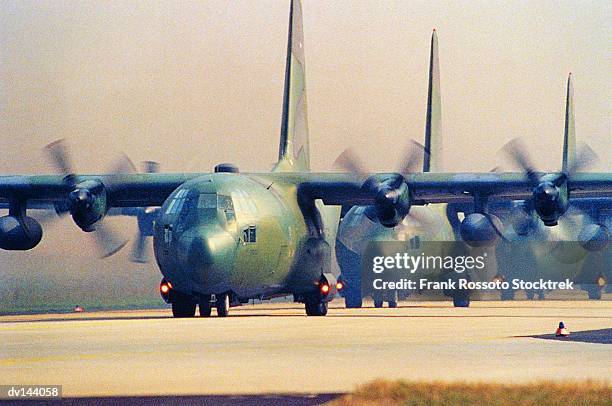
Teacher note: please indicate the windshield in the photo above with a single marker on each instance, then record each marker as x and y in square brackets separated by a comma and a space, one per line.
[207, 201]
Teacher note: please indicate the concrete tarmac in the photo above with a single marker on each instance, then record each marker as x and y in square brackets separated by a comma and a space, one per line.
[276, 349]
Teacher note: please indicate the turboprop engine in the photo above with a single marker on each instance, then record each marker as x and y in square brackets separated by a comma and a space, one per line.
[19, 235]
[85, 200]
[87, 204]
[549, 201]
[594, 237]
[480, 230]
[392, 198]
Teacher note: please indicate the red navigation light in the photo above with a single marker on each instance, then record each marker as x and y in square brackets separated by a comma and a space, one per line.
[325, 289]
[164, 288]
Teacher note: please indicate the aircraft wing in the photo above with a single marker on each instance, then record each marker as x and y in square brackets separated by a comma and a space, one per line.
[125, 190]
[426, 188]
[152, 189]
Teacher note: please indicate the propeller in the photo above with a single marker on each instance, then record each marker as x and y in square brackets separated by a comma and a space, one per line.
[80, 200]
[515, 150]
[547, 193]
[391, 205]
[145, 217]
[411, 161]
[349, 161]
[413, 156]
[58, 154]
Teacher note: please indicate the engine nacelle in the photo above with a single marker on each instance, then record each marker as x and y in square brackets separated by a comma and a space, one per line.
[480, 230]
[15, 236]
[549, 202]
[522, 223]
[392, 198]
[594, 237]
[87, 204]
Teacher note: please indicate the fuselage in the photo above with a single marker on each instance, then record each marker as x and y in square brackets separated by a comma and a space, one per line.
[357, 230]
[239, 233]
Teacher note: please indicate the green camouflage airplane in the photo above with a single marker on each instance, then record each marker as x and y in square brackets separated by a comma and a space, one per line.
[223, 238]
[481, 227]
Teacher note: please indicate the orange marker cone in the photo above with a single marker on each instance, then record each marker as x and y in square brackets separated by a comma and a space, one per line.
[562, 331]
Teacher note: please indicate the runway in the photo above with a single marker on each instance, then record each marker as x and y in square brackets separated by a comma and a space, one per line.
[276, 349]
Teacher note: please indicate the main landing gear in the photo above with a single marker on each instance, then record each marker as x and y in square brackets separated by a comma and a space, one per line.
[316, 303]
[461, 301]
[182, 305]
[316, 308]
[380, 297]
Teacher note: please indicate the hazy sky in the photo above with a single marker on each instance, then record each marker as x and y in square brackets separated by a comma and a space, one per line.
[192, 84]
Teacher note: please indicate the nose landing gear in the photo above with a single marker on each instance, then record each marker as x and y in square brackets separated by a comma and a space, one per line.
[184, 305]
[221, 303]
[205, 306]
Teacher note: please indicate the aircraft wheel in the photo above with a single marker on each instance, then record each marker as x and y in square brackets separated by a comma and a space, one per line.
[507, 294]
[530, 294]
[316, 308]
[461, 301]
[392, 304]
[378, 304]
[205, 306]
[594, 293]
[403, 295]
[223, 304]
[352, 302]
[352, 297]
[182, 305]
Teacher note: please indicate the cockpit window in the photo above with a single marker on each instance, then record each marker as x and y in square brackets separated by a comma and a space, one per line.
[177, 202]
[221, 203]
[244, 203]
[207, 201]
[226, 205]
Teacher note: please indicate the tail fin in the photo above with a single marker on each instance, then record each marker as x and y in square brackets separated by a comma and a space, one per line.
[569, 136]
[294, 154]
[432, 161]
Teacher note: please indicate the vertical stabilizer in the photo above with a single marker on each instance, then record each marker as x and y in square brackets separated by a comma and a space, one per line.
[294, 154]
[569, 136]
[432, 161]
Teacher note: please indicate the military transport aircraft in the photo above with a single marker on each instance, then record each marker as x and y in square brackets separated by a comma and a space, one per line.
[225, 237]
[479, 228]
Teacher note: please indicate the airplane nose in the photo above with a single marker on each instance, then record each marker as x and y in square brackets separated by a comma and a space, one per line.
[213, 247]
[208, 257]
